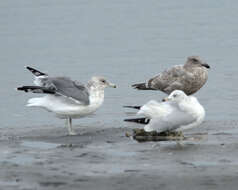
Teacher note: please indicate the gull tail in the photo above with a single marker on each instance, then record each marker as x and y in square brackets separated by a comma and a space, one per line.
[36, 89]
[36, 72]
[35, 102]
[133, 107]
[141, 86]
[142, 120]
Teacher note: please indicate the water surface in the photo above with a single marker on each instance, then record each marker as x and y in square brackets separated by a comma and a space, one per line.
[128, 41]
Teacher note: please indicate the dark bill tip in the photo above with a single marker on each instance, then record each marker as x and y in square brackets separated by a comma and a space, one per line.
[206, 65]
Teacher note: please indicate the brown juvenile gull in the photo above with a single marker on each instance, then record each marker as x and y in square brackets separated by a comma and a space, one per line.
[67, 98]
[189, 77]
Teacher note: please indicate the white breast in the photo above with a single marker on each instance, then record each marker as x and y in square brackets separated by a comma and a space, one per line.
[96, 99]
[196, 110]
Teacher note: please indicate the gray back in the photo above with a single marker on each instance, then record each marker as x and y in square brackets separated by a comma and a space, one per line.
[64, 86]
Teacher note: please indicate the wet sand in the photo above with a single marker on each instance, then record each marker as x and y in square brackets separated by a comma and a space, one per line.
[45, 158]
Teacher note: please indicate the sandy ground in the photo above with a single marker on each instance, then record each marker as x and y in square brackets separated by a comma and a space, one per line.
[45, 158]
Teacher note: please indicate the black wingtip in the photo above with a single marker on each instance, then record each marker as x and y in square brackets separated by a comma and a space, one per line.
[141, 86]
[34, 71]
[29, 68]
[22, 88]
[138, 120]
[36, 89]
[133, 107]
[18, 88]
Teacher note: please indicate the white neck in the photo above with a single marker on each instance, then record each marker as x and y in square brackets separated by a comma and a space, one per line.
[96, 96]
[194, 107]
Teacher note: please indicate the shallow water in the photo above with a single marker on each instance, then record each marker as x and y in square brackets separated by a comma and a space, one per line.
[106, 159]
[39, 145]
[125, 40]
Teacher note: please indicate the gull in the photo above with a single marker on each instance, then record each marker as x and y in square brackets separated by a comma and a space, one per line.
[67, 98]
[177, 112]
[189, 77]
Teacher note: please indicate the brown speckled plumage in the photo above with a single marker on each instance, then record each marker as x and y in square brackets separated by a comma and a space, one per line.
[189, 77]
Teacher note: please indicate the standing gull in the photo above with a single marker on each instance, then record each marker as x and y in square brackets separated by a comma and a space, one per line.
[189, 77]
[177, 112]
[67, 98]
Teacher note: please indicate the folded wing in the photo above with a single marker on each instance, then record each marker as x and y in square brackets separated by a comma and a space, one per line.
[59, 86]
[66, 87]
[171, 79]
[164, 116]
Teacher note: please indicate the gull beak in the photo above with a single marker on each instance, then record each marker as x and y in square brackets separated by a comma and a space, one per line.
[206, 65]
[112, 85]
[165, 99]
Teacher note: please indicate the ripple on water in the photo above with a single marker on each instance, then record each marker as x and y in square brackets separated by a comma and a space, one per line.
[39, 145]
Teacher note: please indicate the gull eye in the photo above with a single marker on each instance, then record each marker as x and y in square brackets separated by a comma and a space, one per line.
[103, 81]
[194, 60]
[175, 95]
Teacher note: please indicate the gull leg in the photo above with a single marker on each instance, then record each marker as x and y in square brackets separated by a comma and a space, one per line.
[179, 144]
[70, 128]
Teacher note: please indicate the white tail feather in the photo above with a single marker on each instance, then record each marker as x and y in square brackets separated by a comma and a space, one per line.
[35, 102]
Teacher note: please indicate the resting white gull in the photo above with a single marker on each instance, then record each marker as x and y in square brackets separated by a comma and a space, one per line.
[67, 98]
[189, 77]
[178, 112]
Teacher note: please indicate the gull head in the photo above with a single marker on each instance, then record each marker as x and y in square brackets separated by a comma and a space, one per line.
[196, 61]
[176, 96]
[100, 82]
